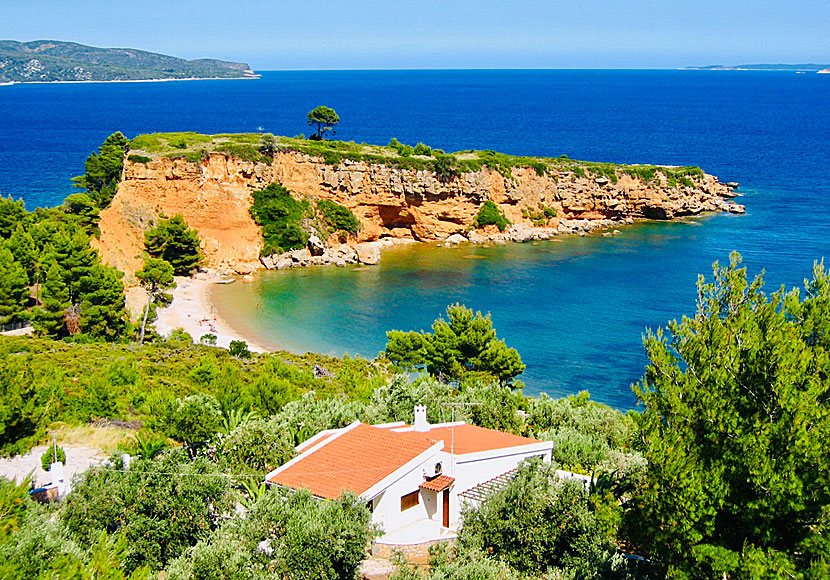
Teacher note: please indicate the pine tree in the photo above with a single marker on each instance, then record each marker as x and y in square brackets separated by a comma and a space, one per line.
[172, 241]
[54, 300]
[25, 252]
[14, 286]
[735, 430]
[155, 277]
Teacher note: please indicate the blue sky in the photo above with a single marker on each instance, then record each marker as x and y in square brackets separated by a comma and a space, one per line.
[323, 34]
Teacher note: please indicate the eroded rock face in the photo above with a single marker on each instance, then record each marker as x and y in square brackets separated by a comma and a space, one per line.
[214, 197]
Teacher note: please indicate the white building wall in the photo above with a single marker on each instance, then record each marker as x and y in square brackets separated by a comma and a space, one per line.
[473, 469]
[468, 470]
[387, 506]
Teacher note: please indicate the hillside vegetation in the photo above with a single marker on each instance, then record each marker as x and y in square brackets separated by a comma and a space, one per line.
[257, 147]
[52, 60]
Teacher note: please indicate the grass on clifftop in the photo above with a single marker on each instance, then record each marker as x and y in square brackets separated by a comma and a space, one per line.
[258, 147]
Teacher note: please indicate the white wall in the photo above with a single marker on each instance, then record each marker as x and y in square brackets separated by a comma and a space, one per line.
[469, 470]
[387, 506]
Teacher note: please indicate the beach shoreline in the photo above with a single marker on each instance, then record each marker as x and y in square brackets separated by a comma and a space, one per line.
[193, 311]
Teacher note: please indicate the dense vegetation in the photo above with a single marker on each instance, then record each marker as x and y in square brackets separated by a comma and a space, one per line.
[52, 277]
[735, 432]
[490, 214]
[176, 244]
[455, 349]
[259, 147]
[68, 61]
[287, 223]
[722, 475]
[280, 216]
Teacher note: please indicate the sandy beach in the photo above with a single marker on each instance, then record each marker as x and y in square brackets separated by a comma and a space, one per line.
[192, 311]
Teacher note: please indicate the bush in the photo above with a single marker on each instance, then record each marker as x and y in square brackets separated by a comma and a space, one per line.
[421, 149]
[192, 419]
[338, 216]
[490, 214]
[48, 458]
[259, 446]
[139, 158]
[302, 538]
[239, 349]
[161, 506]
[445, 166]
[280, 216]
[535, 524]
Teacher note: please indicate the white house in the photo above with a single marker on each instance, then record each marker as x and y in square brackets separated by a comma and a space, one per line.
[413, 477]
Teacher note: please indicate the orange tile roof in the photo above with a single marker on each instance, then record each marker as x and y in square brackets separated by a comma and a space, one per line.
[439, 483]
[362, 456]
[354, 461]
[472, 439]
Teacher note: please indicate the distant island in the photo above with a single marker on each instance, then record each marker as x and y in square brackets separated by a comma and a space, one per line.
[56, 61]
[783, 67]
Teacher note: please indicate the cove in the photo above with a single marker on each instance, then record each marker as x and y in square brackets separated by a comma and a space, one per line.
[575, 307]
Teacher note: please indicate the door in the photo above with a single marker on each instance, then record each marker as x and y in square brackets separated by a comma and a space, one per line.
[446, 508]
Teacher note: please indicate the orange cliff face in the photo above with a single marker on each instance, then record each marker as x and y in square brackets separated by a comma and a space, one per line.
[215, 196]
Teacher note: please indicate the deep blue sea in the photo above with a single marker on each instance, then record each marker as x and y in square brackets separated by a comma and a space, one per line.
[575, 309]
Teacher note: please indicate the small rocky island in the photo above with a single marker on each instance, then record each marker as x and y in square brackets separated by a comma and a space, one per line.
[347, 200]
[57, 61]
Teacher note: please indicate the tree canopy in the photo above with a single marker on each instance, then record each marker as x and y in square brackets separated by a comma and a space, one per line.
[325, 118]
[735, 431]
[155, 277]
[172, 241]
[103, 170]
[456, 348]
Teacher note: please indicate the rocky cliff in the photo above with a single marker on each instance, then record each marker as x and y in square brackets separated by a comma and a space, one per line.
[214, 196]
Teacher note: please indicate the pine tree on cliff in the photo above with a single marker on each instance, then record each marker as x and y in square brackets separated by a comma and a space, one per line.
[172, 241]
[102, 170]
[325, 118]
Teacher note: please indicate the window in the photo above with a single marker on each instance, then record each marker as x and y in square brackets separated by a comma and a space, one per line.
[410, 500]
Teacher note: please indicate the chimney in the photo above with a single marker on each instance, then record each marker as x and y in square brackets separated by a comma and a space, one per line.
[421, 423]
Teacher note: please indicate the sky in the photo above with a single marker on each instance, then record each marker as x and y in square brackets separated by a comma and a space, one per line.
[393, 34]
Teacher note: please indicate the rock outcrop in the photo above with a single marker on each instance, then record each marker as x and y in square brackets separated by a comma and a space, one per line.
[214, 197]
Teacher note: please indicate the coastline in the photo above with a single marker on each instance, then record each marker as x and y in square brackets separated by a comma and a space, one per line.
[193, 311]
[245, 78]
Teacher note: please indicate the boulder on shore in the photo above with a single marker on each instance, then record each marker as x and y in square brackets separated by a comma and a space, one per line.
[368, 254]
[316, 247]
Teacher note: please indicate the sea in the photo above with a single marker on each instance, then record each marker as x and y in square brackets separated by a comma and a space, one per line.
[575, 308]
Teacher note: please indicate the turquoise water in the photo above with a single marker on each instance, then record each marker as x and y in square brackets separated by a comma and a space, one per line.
[575, 309]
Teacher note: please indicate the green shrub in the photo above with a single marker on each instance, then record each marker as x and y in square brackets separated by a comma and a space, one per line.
[421, 149]
[490, 214]
[280, 216]
[139, 158]
[239, 349]
[445, 166]
[338, 217]
[259, 446]
[192, 419]
[244, 151]
[579, 171]
[48, 457]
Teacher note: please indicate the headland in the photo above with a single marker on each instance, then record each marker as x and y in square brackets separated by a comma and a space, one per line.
[395, 195]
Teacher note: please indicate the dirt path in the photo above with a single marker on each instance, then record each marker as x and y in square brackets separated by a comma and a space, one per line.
[78, 459]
